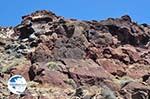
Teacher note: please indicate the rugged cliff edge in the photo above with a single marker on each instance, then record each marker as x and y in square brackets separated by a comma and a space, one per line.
[68, 58]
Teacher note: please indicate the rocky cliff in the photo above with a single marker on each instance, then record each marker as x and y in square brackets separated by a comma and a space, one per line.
[72, 59]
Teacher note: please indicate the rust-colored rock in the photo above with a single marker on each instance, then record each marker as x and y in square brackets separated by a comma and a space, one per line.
[43, 75]
[86, 71]
[137, 90]
[68, 58]
[138, 70]
[112, 67]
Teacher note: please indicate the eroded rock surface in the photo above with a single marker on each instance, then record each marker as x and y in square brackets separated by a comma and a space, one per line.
[72, 59]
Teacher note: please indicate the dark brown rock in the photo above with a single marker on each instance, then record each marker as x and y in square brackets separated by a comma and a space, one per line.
[126, 18]
[42, 53]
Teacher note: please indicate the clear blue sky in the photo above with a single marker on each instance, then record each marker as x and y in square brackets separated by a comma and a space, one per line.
[12, 10]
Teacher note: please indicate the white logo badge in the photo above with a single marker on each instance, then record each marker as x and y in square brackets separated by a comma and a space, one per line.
[17, 84]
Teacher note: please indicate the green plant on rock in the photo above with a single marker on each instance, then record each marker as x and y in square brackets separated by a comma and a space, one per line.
[71, 82]
[123, 80]
[4, 69]
[13, 63]
[53, 66]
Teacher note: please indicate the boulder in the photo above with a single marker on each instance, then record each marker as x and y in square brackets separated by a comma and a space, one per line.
[112, 67]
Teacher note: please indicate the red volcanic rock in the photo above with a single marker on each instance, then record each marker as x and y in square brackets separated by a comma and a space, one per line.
[133, 55]
[86, 71]
[49, 50]
[125, 54]
[136, 86]
[136, 91]
[138, 70]
[51, 77]
[112, 67]
[90, 75]
[43, 75]
[22, 69]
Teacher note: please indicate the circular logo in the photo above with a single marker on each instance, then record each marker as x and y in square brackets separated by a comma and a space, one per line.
[17, 84]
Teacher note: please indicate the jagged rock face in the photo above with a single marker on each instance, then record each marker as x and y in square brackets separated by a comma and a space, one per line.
[68, 59]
